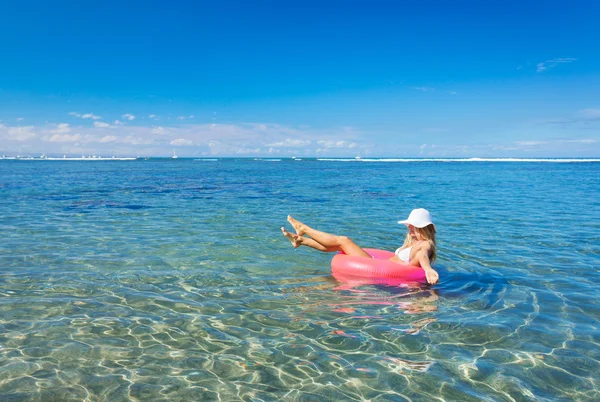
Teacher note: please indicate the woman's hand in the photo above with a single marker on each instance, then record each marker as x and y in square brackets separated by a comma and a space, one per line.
[432, 276]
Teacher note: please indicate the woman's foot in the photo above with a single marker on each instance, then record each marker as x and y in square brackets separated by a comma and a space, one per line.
[293, 238]
[298, 226]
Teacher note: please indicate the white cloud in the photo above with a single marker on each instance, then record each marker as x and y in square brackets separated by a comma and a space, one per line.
[422, 149]
[336, 144]
[158, 130]
[61, 128]
[64, 138]
[20, 133]
[128, 116]
[101, 124]
[530, 143]
[108, 138]
[290, 143]
[85, 115]
[553, 63]
[90, 116]
[151, 116]
[181, 142]
[247, 151]
[184, 117]
[424, 89]
[453, 92]
[20, 119]
[585, 141]
[118, 122]
[137, 140]
[254, 138]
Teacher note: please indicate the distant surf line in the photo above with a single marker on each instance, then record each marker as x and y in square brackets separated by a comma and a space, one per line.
[388, 160]
[90, 158]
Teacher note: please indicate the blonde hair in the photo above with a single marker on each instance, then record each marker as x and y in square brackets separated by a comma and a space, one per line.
[427, 233]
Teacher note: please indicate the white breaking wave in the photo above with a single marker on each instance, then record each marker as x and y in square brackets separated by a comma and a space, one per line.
[554, 160]
[89, 158]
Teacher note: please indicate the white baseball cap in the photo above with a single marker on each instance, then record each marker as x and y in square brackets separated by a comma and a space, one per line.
[419, 218]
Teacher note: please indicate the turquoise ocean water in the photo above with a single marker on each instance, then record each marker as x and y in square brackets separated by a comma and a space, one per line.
[170, 280]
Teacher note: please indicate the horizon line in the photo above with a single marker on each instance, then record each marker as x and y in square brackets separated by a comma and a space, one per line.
[314, 158]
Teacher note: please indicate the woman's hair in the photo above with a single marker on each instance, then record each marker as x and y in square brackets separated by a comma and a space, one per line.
[427, 233]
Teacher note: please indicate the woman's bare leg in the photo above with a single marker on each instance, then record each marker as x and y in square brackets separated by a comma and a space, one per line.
[298, 241]
[330, 241]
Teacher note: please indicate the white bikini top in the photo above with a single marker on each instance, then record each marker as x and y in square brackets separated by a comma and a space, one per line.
[404, 255]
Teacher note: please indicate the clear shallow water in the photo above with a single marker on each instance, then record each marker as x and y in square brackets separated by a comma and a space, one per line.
[170, 280]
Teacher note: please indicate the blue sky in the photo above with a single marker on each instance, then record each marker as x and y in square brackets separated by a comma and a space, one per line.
[266, 78]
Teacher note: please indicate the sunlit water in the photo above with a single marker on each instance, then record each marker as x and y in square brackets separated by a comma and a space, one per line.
[170, 280]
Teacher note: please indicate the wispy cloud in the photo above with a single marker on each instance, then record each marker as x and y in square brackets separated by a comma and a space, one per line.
[90, 116]
[585, 119]
[159, 130]
[20, 134]
[181, 142]
[530, 143]
[590, 113]
[201, 139]
[290, 143]
[584, 141]
[424, 89]
[264, 139]
[64, 138]
[543, 66]
[336, 144]
[133, 140]
[108, 138]
[554, 143]
[128, 116]
[101, 124]
[61, 128]
[85, 115]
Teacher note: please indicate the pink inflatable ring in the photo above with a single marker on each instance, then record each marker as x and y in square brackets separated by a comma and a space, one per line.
[378, 268]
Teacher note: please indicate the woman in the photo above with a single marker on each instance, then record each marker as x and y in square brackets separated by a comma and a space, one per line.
[419, 248]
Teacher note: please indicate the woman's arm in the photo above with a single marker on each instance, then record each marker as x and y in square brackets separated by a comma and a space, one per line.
[423, 258]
